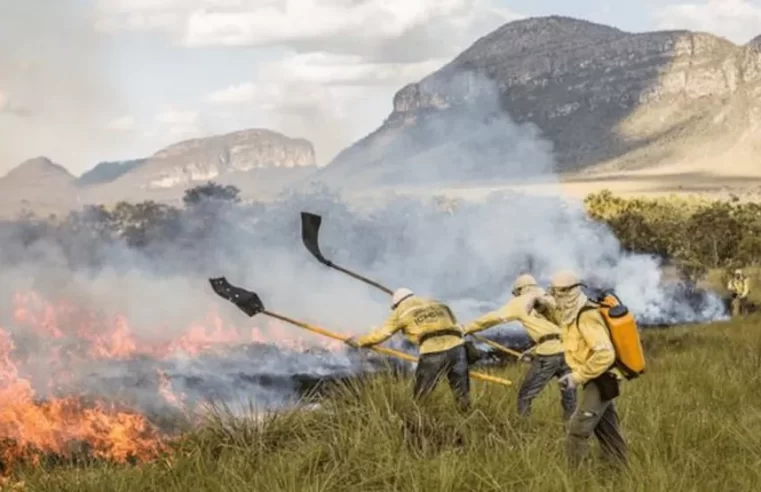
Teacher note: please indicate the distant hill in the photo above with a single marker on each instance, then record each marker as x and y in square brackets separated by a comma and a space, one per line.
[105, 172]
[38, 184]
[260, 162]
[202, 159]
[600, 98]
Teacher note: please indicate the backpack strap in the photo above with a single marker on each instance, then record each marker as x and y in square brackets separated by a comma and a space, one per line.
[592, 308]
[585, 309]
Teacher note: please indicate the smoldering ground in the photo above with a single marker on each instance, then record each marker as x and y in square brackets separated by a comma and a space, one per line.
[154, 291]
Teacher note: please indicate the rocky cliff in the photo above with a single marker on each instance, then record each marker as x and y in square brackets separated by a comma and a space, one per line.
[210, 158]
[600, 97]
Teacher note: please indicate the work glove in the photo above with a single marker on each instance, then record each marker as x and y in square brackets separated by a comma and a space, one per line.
[566, 382]
[352, 342]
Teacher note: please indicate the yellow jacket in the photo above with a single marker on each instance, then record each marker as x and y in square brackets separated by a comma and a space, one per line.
[416, 317]
[739, 286]
[589, 352]
[523, 309]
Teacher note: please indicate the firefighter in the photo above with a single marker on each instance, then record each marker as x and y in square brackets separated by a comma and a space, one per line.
[533, 308]
[433, 327]
[590, 354]
[739, 288]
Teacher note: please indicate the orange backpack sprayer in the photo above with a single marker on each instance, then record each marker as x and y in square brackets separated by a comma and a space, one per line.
[622, 327]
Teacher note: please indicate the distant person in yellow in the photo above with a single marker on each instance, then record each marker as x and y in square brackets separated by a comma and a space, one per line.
[431, 325]
[591, 356]
[534, 309]
[739, 288]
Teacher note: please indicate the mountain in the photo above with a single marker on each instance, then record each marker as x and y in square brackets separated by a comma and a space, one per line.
[38, 184]
[204, 159]
[599, 98]
[105, 172]
[38, 170]
[259, 162]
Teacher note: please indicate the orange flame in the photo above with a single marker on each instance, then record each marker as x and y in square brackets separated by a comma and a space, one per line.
[51, 426]
[67, 334]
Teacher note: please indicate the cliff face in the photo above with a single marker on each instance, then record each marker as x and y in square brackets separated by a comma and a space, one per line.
[210, 158]
[597, 94]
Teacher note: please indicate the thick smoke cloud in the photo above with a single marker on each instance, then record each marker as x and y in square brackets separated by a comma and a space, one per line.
[467, 255]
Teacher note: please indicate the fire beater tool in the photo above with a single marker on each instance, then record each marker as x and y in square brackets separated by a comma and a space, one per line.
[251, 304]
[310, 234]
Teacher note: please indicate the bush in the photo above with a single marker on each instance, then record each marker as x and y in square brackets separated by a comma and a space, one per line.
[694, 234]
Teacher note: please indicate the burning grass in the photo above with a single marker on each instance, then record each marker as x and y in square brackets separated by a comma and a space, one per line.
[79, 387]
[693, 423]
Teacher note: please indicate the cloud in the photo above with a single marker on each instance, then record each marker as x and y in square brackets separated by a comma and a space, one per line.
[327, 98]
[330, 69]
[737, 20]
[343, 59]
[323, 69]
[235, 94]
[391, 30]
[125, 123]
[178, 123]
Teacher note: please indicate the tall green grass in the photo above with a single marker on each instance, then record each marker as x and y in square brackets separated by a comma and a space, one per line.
[693, 422]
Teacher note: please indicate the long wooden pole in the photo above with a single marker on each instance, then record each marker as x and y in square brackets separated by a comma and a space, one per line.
[496, 345]
[380, 350]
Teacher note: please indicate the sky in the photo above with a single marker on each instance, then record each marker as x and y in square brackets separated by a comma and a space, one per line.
[83, 81]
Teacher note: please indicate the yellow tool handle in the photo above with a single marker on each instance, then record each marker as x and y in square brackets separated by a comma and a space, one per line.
[496, 345]
[380, 350]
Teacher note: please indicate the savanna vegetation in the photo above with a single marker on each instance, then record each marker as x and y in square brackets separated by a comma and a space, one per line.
[703, 239]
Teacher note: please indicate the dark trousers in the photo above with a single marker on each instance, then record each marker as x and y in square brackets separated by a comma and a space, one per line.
[595, 416]
[454, 364]
[543, 369]
[739, 306]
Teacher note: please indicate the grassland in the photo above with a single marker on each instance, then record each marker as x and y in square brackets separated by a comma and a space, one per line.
[693, 423]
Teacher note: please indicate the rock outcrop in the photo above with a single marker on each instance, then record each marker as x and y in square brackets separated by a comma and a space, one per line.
[204, 159]
[603, 98]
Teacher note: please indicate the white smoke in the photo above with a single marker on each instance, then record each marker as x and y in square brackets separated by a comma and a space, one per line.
[471, 257]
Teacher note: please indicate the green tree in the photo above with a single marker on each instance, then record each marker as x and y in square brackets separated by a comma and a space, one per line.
[210, 192]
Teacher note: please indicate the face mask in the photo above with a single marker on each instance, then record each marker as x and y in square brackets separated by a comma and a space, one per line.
[569, 302]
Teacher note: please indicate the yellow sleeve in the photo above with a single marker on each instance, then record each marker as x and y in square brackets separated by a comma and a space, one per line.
[547, 302]
[507, 313]
[482, 323]
[389, 327]
[746, 287]
[603, 355]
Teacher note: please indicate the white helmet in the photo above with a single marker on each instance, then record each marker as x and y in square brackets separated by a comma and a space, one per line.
[565, 279]
[400, 295]
[523, 281]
